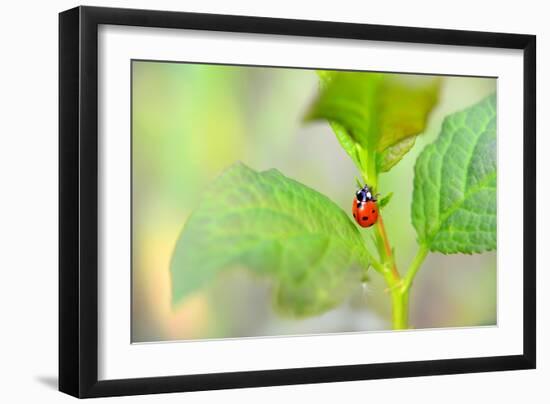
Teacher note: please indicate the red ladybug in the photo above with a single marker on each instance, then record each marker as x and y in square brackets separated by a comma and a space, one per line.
[365, 208]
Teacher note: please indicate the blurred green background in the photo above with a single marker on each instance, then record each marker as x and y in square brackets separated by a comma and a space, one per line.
[191, 121]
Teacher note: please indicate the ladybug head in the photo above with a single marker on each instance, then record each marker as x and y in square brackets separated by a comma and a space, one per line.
[365, 194]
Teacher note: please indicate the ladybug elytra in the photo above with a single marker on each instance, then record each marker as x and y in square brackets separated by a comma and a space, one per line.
[365, 208]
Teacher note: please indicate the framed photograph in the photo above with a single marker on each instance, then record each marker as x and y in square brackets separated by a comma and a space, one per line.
[251, 201]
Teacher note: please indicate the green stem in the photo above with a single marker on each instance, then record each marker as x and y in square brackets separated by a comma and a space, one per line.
[399, 296]
[400, 309]
[400, 291]
[398, 286]
[386, 246]
[378, 266]
[372, 172]
[414, 267]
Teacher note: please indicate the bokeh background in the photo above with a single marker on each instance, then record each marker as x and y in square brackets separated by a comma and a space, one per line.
[191, 121]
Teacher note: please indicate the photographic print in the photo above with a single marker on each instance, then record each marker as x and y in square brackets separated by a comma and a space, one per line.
[232, 188]
[270, 201]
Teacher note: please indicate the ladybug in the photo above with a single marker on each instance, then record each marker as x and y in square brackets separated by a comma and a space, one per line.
[365, 208]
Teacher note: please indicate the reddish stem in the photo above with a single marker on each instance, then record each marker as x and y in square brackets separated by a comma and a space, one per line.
[387, 246]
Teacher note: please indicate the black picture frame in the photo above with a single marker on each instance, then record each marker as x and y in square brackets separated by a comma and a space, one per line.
[78, 200]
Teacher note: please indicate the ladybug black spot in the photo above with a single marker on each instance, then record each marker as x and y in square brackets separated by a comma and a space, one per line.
[365, 218]
[373, 211]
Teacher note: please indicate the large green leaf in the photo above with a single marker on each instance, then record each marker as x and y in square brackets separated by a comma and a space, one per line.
[276, 227]
[342, 134]
[347, 142]
[454, 198]
[376, 110]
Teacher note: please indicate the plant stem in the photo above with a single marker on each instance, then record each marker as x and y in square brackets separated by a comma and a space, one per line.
[399, 295]
[387, 247]
[414, 267]
[374, 262]
[400, 309]
[399, 287]
[400, 291]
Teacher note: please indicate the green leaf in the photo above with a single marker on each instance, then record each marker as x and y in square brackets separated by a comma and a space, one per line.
[376, 110]
[385, 200]
[275, 227]
[454, 198]
[393, 154]
[344, 138]
[346, 141]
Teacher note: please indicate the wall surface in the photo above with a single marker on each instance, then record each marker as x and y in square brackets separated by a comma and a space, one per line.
[28, 207]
